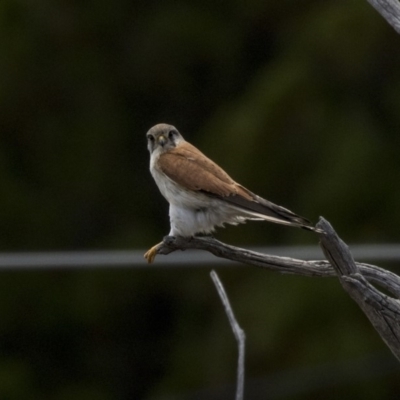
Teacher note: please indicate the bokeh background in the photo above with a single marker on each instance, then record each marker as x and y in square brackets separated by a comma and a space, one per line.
[299, 101]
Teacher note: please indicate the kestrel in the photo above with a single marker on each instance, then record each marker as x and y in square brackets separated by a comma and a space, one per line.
[201, 195]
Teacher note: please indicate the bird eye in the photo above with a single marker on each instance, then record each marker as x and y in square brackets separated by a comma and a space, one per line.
[171, 134]
[151, 138]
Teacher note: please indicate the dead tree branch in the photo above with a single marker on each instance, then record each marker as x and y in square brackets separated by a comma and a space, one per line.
[390, 10]
[356, 278]
[237, 331]
[382, 311]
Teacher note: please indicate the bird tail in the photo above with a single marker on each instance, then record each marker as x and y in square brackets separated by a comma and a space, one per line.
[256, 207]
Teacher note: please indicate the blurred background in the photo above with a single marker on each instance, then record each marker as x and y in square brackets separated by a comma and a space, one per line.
[299, 101]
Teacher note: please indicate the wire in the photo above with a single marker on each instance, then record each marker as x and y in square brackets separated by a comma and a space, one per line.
[388, 253]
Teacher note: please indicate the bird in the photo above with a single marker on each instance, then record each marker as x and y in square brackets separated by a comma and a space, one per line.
[201, 195]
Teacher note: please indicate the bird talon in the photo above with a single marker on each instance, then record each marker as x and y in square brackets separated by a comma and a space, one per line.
[150, 254]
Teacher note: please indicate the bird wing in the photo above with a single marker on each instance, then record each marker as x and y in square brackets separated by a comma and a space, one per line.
[190, 168]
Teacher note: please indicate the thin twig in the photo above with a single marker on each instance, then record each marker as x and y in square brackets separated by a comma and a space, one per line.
[237, 331]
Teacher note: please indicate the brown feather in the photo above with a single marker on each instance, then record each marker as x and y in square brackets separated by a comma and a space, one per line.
[190, 168]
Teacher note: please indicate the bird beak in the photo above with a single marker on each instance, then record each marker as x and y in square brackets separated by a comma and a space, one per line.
[162, 140]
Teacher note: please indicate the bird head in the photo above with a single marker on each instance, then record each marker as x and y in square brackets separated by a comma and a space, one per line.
[162, 137]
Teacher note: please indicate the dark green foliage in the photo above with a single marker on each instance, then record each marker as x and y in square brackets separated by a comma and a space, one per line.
[299, 101]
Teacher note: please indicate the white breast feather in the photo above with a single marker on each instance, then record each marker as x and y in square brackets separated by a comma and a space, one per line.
[193, 212]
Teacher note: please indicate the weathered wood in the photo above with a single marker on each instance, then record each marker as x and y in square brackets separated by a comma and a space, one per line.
[357, 279]
[319, 268]
[238, 332]
[382, 310]
[390, 10]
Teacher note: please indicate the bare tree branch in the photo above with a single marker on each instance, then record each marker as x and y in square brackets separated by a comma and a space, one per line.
[356, 278]
[286, 265]
[390, 10]
[237, 331]
[382, 311]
